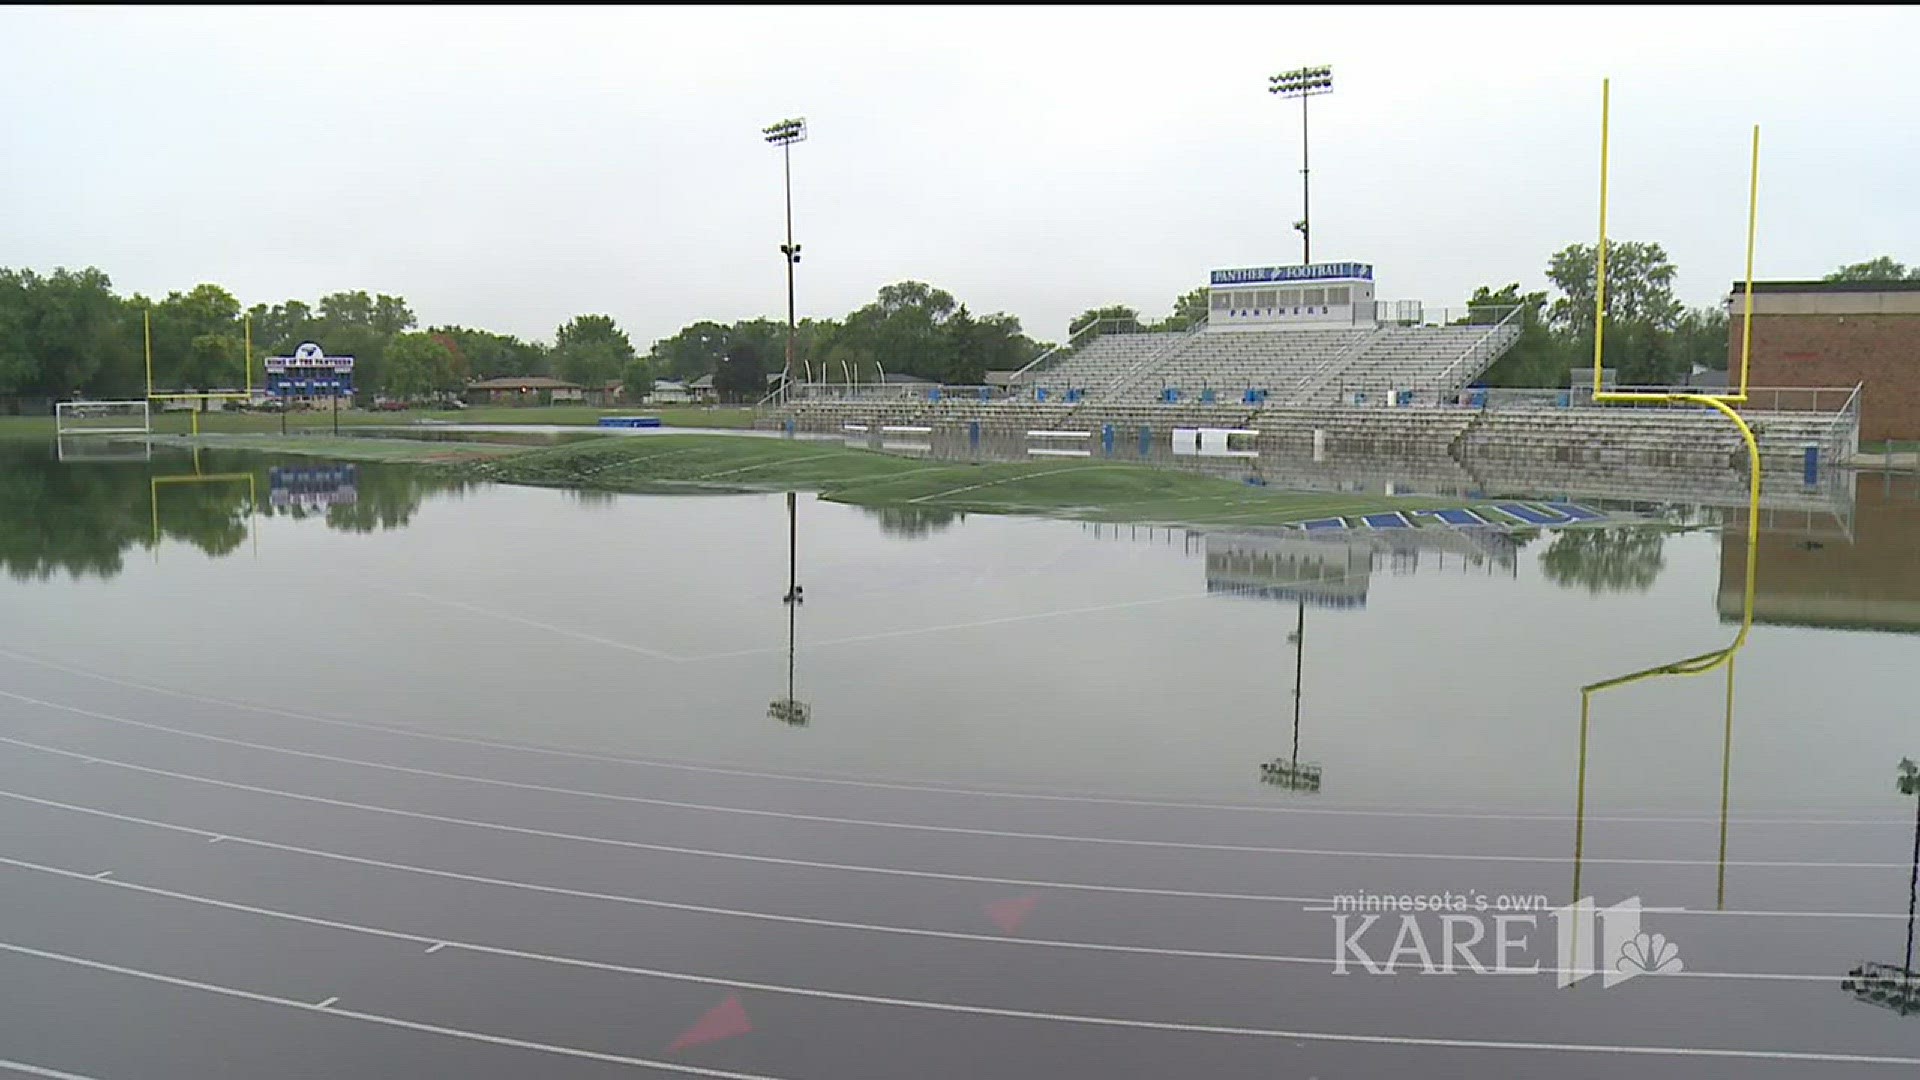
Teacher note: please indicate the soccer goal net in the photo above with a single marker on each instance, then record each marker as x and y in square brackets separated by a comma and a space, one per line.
[102, 418]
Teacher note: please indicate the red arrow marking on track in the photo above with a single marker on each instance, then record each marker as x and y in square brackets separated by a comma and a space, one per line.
[723, 1021]
[1009, 914]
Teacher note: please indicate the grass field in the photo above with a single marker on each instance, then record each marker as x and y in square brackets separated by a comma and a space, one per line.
[1089, 490]
[179, 423]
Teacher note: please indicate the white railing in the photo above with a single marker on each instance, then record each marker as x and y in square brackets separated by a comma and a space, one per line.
[1066, 348]
[1842, 438]
[1446, 377]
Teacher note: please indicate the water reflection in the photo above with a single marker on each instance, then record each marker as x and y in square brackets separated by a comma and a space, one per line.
[1861, 573]
[1332, 568]
[1891, 986]
[83, 514]
[790, 709]
[199, 480]
[913, 522]
[1605, 560]
[1691, 665]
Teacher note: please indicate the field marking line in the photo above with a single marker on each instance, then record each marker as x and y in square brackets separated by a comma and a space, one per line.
[1051, 1015]
[387, 1021]
[950, 830]
[549, 627]
[942, 788]
[39, 1070]
[764, 464]
[1016, 479]
[634, 845]
[830, 492]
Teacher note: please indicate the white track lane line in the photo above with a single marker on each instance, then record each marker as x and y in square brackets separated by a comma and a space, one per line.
[38, 1070]
[1305, 902]
[737, 984]
[1011, 1014]
[948, 830]
[388, 1021]
[929, 787]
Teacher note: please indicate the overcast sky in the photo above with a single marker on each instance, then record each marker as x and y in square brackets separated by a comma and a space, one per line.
[510, 168]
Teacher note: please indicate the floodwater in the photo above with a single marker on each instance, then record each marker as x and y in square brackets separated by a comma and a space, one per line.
[316, 769]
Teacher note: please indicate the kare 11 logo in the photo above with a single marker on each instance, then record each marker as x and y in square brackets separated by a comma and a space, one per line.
[1448, 939]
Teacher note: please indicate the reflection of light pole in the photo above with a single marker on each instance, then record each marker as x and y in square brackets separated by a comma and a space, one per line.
[783, 135]
[1289, 772]
[787, 709]
[1303, 83]
[1910, 786]
[1880, 984]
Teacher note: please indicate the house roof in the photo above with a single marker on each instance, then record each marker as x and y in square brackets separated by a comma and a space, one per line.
[704, 382]
[523, 382]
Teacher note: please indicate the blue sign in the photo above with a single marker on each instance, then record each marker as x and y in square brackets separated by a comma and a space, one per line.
[1316, 272]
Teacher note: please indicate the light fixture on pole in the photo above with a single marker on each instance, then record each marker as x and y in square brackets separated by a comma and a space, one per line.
[784, 134]
[1303, 83]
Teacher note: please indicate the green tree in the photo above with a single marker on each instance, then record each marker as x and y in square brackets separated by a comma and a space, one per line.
[417, 366]
[66, 333]
[636, 380]
[1113, 317]
[1639, 286]
[1189, 309]
[360, 325]
[591, 350]
[695, 351]
[975, 346]
[1700, 339]
[488, 355]
[1539, 358]
[903, 331]
[1881, 268]
[197, 342]
[741, 376]
[1641, 309]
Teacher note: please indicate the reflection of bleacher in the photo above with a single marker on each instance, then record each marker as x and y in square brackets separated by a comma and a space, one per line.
[1331, 569]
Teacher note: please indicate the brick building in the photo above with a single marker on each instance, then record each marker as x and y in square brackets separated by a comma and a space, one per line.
[1836, 334]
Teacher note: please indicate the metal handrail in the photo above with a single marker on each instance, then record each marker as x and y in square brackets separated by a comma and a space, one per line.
[1069, 344]
[1440, 381]
[1834, 441]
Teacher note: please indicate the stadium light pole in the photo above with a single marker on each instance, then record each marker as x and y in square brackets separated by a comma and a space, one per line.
[1303, 83]
[783, 135]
